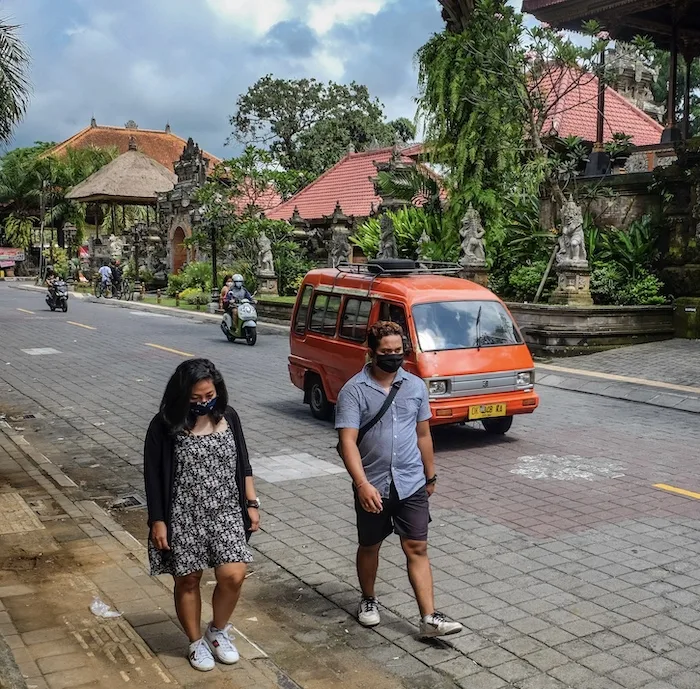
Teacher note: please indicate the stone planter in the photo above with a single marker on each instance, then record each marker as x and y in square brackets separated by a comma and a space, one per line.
[276, 311]
[571, 330]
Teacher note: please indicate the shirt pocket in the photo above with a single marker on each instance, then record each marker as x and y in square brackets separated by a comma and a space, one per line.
[408, 408]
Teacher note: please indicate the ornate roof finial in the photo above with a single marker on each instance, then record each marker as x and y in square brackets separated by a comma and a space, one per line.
[131, 125]
[351, 148]
[93, 122]
[132, 143]
[167, 128]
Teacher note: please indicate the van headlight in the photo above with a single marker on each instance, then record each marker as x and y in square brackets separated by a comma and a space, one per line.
[525, 379]
[438, 387]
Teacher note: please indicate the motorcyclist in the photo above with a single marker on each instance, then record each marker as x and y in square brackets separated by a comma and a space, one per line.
[236, 293]
[49, 279]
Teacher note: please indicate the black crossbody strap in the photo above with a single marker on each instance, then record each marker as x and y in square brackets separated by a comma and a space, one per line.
[385, 407]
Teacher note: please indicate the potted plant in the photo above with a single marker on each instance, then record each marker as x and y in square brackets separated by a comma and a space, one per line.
[619, 148]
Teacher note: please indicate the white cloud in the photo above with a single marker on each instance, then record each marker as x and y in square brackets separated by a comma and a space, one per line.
[323, 15]
[258, 16]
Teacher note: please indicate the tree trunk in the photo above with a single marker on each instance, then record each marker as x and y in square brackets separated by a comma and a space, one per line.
[456, 14]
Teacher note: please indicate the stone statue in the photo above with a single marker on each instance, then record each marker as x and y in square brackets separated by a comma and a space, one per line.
[266, 263]
[340, 250]
[572, 245]
[472, 233]
[116, 246]
[387, 242]
[422, 246]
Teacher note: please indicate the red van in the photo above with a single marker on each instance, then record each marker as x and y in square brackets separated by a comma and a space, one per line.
[460, 339]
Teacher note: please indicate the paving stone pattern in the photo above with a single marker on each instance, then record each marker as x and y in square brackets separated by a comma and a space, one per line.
[576, 583]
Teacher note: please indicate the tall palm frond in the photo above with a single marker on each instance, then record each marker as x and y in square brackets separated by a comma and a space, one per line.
[14, 83]
[412, 185]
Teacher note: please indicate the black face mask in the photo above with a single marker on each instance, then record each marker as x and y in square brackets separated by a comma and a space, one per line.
[390, 363]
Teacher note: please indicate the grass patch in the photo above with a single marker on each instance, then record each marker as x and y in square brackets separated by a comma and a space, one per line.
[277, 300]
[170, 301]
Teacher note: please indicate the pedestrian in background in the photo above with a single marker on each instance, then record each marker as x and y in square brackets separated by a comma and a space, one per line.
[383, 421]
[202, 505]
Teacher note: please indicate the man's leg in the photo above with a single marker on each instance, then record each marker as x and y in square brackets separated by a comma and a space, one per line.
[367, 566]
[419, 574]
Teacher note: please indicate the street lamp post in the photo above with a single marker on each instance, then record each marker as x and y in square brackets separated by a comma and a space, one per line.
[214, 271]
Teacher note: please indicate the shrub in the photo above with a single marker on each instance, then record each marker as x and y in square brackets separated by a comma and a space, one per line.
[197, 275]
[524, 281]
[610, 284]
[194, 296]
[291, 265]
[645, 290]
[175, 285]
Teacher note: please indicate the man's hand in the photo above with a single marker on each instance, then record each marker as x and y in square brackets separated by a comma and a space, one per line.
[159, 535]
[430, 488]
[254, 514]
[370, 498]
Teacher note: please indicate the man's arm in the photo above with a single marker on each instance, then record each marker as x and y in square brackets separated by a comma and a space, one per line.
[427, 453]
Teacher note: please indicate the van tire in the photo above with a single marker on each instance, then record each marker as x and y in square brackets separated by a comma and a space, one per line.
[498, 426]
[320, 407]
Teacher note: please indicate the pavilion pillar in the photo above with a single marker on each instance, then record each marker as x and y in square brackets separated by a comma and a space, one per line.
[599, 161]
[672, 133]
[689, 58]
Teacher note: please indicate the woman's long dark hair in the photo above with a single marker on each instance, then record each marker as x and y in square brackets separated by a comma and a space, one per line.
[175, 406]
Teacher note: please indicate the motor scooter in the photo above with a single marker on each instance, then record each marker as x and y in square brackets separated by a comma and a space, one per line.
[58, 298]
[246, 324]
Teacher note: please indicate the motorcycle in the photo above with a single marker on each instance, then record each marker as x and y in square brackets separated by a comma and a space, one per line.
[59, 298]
[246, 324]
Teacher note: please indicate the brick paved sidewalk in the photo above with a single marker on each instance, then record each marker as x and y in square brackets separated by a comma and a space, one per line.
[663, 374]
[55, 556]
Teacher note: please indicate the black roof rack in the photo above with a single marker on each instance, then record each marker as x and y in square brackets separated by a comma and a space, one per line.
[399, 267]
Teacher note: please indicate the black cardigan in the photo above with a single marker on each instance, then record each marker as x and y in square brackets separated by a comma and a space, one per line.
[159, 469]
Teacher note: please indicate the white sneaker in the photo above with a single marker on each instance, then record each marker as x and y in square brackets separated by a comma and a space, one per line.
[221, 645]
[200, 656]
[438, 624]
[368, 612]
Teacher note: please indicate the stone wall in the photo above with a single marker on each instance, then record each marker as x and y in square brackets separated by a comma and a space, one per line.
[568, 331]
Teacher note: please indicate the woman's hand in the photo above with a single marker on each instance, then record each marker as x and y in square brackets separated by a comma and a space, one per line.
[159, 535]
[254, 514]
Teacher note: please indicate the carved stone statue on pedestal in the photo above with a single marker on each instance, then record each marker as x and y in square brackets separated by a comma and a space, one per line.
[387, 242]
[472, 252]
[340, 250]
[573, 271]
[423, 246]
[266, 266]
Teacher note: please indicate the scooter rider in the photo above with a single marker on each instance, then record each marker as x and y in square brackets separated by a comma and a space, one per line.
[49, 279]
[237, 292]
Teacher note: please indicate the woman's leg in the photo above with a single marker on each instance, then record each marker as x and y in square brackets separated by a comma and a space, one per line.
[188, 604]
[229, 580]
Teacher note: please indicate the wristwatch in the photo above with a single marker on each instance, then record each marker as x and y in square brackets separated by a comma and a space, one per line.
[430, 481]
[255, 504]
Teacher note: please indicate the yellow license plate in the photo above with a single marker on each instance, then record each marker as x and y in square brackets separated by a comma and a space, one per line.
[486, 411]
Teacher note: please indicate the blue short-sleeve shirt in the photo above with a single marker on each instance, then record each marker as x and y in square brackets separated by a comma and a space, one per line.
[390, 449]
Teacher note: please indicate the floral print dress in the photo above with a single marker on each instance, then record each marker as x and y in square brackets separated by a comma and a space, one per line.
[206, 520]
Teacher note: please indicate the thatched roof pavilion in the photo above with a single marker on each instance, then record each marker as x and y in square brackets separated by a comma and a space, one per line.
[132, 179]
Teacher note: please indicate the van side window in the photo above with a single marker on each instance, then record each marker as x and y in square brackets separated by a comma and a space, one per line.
[324, 314]
[355, 319]
[302, 313]
[394, 313]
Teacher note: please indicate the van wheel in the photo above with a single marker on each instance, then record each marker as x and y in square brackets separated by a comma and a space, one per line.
[498, 426]
[321, 408]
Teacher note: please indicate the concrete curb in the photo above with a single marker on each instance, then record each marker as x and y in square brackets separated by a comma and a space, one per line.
[201, 317]
[593, 383]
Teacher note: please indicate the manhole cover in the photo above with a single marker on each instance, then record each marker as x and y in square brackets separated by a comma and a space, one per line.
[129, 502]
[567, 468]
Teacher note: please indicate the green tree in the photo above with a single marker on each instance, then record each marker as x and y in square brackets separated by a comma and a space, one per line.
[309, 125]
[14, 84]
[661, 61]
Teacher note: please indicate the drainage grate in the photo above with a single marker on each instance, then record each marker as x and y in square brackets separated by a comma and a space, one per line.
[132, 501]
[23, 417]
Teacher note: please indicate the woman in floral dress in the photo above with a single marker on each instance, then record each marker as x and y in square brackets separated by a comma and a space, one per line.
[202, 505]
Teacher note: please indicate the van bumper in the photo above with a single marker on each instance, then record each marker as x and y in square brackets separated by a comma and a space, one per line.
[456, 409]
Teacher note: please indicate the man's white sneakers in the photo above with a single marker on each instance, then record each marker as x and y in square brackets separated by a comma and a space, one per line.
[438, 624]
[368, 612]
[200, 656]
[221, 645]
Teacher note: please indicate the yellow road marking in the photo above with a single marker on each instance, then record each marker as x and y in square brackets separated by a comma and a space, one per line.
[25, 311]
[80, 325]
[167, 349]
[621, 379]
[679, 491]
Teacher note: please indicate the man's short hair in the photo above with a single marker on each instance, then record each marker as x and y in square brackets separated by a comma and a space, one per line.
[380, 330]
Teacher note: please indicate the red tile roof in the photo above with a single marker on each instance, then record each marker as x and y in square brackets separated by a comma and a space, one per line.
[347, 182]
[577, 111]
[163, 146]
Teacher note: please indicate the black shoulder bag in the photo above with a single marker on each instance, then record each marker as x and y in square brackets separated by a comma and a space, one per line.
[374, 421]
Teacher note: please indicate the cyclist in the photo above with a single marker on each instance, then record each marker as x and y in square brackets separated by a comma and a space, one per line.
[105, 276]
[117, 274]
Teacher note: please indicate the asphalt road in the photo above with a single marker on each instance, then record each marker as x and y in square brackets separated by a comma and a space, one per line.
[554, 545]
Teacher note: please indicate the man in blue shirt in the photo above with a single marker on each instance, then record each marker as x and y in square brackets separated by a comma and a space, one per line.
[393, 472]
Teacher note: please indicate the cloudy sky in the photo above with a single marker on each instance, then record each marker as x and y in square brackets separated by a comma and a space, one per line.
[186, 61]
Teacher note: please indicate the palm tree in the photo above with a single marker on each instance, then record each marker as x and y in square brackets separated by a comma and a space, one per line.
[19, 191]
[14, 84]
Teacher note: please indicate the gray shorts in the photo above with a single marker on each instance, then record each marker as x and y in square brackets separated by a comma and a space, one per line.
[407, 518]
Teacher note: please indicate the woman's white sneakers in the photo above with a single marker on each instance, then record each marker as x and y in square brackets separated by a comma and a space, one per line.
[221, 645]
[200, 656]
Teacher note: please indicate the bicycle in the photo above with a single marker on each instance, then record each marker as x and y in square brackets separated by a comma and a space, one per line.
[104, 289]
[125, 290]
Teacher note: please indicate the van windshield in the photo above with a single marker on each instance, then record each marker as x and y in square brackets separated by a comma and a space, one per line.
[450, 325]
